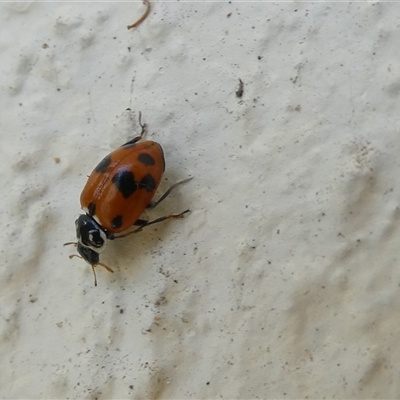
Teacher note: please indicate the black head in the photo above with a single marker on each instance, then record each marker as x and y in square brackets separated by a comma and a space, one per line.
[91, 238]
[89, 255]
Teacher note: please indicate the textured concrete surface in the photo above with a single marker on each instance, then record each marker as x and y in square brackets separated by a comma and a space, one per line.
[284, 280]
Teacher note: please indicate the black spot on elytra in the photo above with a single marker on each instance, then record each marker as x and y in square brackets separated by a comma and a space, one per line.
[103, 165]
[125, 183]
[91, 209]
[146, 159]
[148, 183]
[117, 222]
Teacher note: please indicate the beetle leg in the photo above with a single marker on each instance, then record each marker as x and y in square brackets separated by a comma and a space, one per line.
[137, 138]
[142, 223]
[154, 204]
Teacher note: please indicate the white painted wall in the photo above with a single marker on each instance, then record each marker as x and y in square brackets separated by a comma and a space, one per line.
[284, 280]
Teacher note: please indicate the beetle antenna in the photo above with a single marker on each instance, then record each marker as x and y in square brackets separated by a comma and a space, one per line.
[106, 267]
[94, 273]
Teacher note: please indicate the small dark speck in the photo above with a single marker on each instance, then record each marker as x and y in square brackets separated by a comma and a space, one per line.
[239, 92]
[175, 281]
[161, 301]
[131, 387]
[259, 57]
[129, 49]
[45, 46]
[207, 383]
[121, 311]
[32, 298]
[278, 231]
[228, 15]
[58, 90]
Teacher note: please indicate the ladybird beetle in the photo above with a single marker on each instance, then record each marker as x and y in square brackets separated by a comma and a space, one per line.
[116, 193]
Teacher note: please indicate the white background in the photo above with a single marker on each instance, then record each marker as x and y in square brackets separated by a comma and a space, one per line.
[284, 281]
